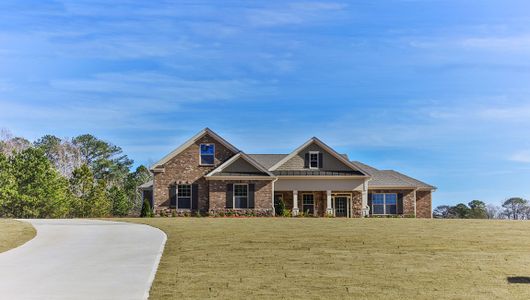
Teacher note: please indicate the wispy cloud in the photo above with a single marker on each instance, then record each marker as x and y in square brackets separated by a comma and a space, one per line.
[521, 156]
[293, 13]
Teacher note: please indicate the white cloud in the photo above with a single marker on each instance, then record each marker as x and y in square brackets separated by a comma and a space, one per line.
[521, 156]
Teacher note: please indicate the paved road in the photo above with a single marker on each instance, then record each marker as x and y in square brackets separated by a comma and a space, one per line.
[82, 259]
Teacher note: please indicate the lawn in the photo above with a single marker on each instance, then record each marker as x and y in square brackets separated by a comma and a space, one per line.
[341, 258]
[14, 233]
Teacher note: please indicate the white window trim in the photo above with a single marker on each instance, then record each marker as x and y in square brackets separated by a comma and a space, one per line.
[200, 155]
[384, 204]
[312, 194]
[191, 197]
[234, 195]
[318, 159]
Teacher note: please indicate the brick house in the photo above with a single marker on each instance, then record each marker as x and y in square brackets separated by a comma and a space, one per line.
[208, 174]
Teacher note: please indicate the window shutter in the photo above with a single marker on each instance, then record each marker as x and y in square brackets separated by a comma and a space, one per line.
[251, 192]
[306, 161]
[400, 204]
[320, 161]
[195, 196]
[173, 196]
[229, 195]
[370, 202]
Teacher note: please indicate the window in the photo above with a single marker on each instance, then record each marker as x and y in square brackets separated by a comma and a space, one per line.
[308, 203]
[240, 195]
[384, 204]
[207, 154]
[313, 159]
[184, 196]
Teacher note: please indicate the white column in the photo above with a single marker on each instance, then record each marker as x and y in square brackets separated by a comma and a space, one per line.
[329, 209]
[295, 203]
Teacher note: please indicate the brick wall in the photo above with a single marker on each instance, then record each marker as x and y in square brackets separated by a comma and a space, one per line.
[262, 197]
[408, 199]
[184, 168]
[424, 204]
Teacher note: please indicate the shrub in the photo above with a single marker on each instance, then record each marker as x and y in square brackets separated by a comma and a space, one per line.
[279, 207]
[146, 212]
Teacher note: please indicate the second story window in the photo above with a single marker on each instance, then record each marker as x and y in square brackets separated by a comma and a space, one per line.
[314, 159]
[207, 155]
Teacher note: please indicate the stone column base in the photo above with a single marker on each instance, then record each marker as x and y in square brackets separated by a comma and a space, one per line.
[296, 211]
[329, 211]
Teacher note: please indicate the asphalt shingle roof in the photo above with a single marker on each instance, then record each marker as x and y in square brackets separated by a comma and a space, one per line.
[267, 160]
[390, 178]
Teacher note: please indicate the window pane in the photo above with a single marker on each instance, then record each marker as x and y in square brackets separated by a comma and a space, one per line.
[391, 209]
[241, 202]
[390, 199]
[378, 199]
[240, 190]
[308, 199]
[184, 190]
[378, 209]
[207, 159]
[207, 149]
[184, 203]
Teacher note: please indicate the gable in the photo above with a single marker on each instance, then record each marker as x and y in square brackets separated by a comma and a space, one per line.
[241, 166]
[330, 162]
[190, 150]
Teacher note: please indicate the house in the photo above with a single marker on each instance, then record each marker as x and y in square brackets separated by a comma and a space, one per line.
[208, 174]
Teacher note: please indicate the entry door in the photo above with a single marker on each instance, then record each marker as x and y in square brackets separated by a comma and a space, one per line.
[341, 206]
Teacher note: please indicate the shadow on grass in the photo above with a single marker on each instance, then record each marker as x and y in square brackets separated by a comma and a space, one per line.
[518, 279]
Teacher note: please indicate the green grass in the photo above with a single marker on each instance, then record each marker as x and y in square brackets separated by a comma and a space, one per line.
[14, 233]
[341, 258]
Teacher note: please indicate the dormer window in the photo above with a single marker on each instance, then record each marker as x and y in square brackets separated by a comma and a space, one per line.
[314, 160]
[207, 155]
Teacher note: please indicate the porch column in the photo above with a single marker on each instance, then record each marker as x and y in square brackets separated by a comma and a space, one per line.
[365, 208]
[329, 209]
[295, 203]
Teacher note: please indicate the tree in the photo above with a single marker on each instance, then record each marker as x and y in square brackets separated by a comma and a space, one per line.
[442, 212]
[41, 191]
[279, 206]
[147, 211]
[10, 145]
[493, 211]
[134, 179]
[120, 202]
[461, 211]
[63, 154]
[106, 161]
[100, 205]
[81, 186]
[515, 207]
[477, 210]
[8, 188]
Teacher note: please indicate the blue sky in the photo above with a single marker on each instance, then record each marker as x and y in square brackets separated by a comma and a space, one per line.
[439, 90]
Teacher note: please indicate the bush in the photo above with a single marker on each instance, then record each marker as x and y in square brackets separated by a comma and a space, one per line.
[147, 212]
[279, 207]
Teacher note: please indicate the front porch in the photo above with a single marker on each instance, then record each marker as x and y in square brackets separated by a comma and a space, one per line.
[346, 204]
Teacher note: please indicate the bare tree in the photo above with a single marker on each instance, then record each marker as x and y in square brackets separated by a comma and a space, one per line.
[493, 212]
[10, 144]
[515, 208]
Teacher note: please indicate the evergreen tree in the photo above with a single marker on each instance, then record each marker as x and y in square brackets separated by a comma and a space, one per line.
[120, 203]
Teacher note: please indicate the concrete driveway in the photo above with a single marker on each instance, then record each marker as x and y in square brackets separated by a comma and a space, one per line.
[82, 259]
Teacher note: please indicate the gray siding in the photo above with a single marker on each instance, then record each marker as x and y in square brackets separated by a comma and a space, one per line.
[241, 165]
[329, 161]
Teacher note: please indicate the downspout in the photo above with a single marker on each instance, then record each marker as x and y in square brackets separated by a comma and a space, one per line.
[273, 209]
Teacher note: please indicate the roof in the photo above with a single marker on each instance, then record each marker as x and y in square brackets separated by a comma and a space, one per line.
[327, 148]
[316, 173]
[147, 185]
[267, 160]
[391, 178]
[259, 169]
[205, 131]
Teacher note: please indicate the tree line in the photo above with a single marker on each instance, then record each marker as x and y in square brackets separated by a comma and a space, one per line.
[514, 208]
[64, 178]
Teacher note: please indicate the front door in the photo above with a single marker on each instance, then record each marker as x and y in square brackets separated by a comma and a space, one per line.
[341, 206]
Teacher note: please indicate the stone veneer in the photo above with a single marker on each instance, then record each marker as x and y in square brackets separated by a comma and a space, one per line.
[424, 204]
[262, 197]
[184, 168]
